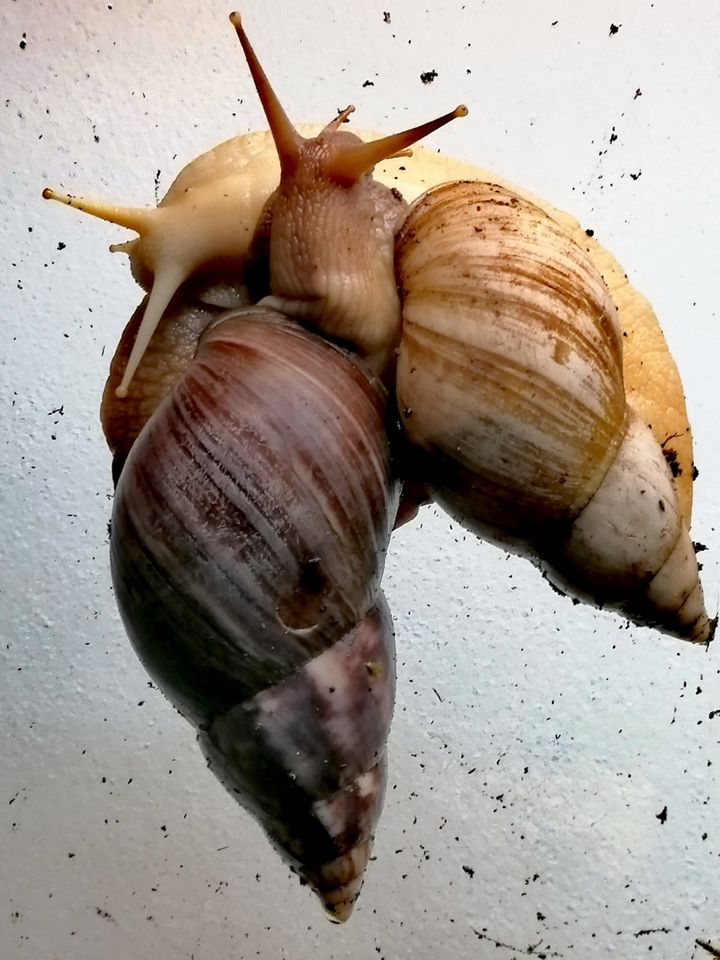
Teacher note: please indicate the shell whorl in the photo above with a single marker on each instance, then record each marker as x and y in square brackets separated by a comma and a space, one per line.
[248, 539]
[169, 353]
[510, 366]
[307, 758]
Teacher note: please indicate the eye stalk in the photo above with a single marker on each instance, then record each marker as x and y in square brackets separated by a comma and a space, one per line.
[170, 270]
[353, 160]
[287, 139]
[358, 159]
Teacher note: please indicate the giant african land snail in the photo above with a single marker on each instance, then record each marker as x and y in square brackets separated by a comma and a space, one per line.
[253, 598]
[247, 555]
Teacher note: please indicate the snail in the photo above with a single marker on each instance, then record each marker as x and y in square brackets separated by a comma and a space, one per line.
[258, 457]
[253, 598]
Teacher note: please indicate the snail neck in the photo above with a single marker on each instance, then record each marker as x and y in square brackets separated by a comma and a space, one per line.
[332, 233]
[331, 253]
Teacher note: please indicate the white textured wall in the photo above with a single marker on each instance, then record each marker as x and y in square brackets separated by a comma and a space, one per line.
[534, 742]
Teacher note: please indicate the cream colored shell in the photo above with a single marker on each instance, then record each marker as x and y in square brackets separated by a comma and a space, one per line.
[510, 390]
[652, 382]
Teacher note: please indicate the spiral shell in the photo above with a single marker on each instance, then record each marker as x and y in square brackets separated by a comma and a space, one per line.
[510, 388]
[253, 596]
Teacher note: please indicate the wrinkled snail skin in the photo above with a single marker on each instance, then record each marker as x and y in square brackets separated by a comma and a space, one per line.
[333, 226]
[510, 387]
[248, 539]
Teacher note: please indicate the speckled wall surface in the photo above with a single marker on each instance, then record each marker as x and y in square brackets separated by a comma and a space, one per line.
[554, 774]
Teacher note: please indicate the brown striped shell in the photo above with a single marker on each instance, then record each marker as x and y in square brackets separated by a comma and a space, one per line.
[248, 541]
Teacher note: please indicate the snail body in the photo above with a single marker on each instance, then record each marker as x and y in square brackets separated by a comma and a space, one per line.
[431, 325]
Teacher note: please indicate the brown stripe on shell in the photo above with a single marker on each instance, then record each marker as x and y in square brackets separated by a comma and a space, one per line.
[450, 247]
[520, 434]
[510, 367]
[265, 512]
[476, 305]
